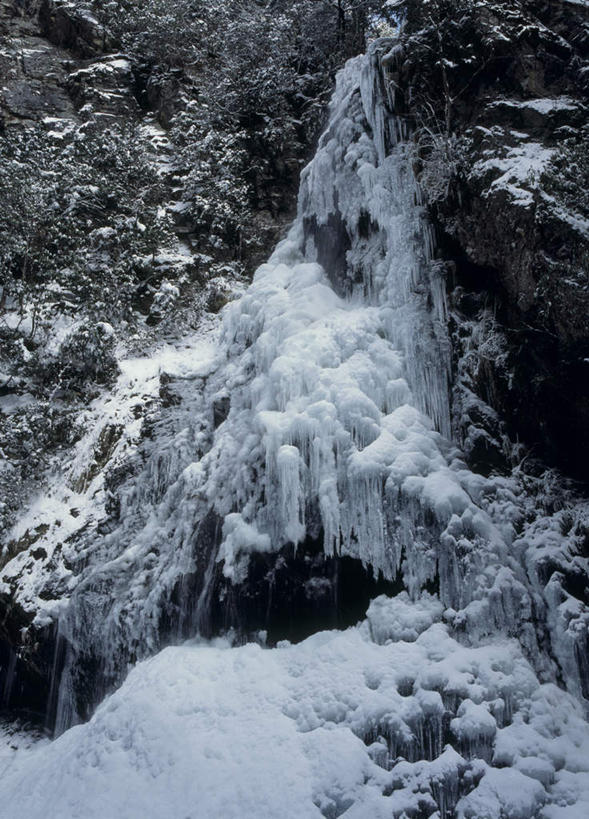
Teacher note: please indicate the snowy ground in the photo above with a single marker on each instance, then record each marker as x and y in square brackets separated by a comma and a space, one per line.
[312, 730]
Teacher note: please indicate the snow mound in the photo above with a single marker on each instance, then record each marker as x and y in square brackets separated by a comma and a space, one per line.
[339, 725]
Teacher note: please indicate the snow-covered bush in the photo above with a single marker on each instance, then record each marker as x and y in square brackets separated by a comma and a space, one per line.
[439, 158]
[565, 177]
[248, 81]
[87, 353]
[75, 214]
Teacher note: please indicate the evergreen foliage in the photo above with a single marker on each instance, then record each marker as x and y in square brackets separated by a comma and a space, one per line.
[80, 210]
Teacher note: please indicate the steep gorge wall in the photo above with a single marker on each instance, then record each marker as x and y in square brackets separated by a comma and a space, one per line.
[498, 97]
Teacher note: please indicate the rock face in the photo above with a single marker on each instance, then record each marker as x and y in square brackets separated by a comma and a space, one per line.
[75, 28]
[33, 71]
[54, 67]
[497, 94]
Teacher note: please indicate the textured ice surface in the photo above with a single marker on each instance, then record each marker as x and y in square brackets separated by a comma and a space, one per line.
[339, 725]
[320, 410]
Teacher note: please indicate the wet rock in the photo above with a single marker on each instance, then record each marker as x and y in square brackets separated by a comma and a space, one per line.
[33, 74]
[75, 28]
[106, 85]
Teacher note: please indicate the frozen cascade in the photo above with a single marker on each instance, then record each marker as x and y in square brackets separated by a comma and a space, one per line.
[332, 371]
[344, 381]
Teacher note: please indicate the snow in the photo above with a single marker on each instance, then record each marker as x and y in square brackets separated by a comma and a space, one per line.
[402, 618]
[572, 219]
[543, 105]
[239, 537]
[327, 727]
[503, 793]
[518, 172]
[10, 404]
[17, 740]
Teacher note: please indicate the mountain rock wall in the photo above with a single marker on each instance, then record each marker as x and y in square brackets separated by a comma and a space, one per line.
[498, 97]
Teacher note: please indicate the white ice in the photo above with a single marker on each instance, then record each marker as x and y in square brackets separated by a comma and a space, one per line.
[338, 725]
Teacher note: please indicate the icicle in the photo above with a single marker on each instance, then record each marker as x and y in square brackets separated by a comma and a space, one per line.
[9, 679]
[291, 500]
[61, 711]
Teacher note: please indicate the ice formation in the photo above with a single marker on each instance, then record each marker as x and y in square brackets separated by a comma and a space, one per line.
[354, 724]
[320, 409]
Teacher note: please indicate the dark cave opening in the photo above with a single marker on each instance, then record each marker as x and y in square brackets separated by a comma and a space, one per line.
[296, 593]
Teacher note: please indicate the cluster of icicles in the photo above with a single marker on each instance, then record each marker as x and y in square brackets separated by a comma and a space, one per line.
[339, 414]
[338, 426]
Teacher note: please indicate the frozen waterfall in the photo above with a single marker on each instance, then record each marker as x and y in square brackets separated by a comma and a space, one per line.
[338, 378]
[320, 411]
